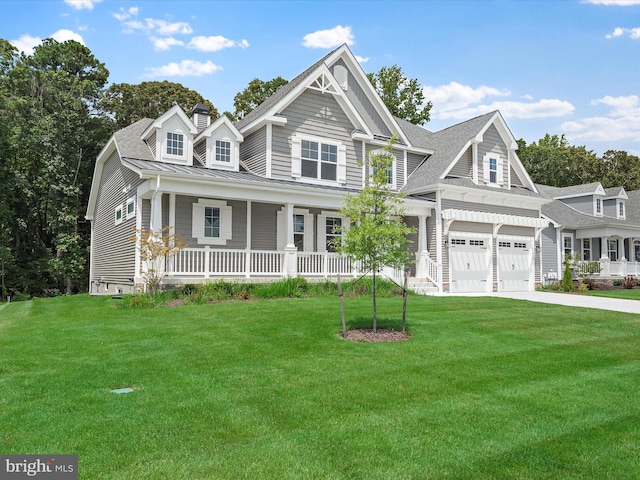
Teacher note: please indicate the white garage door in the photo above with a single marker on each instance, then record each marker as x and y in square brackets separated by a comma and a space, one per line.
[515, 265]
[470, 265]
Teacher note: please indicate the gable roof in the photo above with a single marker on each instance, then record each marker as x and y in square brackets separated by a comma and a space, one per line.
[448, 145]
[594, 188]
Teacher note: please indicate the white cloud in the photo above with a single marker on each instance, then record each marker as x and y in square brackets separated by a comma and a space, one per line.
[166, 43]
[82, 4]
[163, 27]
[186, 68]
[620, 3]
[214, 43]
[455, 96]
[123, 14]
[457, 101]
[362, 59]
[633, 33]
[621, 123]
[26, 43]
[329, 38]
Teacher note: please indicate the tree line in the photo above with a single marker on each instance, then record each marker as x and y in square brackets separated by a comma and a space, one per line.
[57, 113]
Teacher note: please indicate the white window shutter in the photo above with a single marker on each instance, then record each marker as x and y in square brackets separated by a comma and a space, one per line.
[500, 173]
[342, 164]
[308, 232]
[281, 232]
[296, 154]
[226, 231]
[322, 233]
[197, 221]
[485, 169]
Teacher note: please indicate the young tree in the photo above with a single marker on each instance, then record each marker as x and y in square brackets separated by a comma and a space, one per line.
[156, 249]
[377, 236]
[402, 96]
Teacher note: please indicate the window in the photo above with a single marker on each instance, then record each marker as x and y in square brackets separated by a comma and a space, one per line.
[315, 160]
[586, 249]
[522, 245]
[598, 208]
[493, 170]
[212, 222]
[477, 243]
[131, 207]
[504, 244]
[458, 241]
[333, 233]
[118, 214]
[223, 151]
[389, 170]
[324, 165]
[567, 243]
[175, 144]
[621, 210]
[298, 231]
[612, 249]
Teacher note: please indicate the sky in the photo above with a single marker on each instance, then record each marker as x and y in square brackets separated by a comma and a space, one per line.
[567, 67]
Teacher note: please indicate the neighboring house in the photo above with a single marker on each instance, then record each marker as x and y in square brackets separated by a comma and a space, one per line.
[259, 199]
[596, 224]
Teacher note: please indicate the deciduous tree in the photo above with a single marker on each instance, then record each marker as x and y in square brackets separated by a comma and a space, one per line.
[256, 92]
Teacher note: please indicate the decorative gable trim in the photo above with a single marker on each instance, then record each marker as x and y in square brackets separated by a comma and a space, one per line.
[174, 133]
[222, 130]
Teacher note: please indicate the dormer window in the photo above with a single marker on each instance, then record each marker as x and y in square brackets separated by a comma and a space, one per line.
[175, 144]
[492, 169]
[223, 151]
[621, 212]
[598, 207]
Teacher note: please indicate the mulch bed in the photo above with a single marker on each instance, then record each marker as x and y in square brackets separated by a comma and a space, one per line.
[381, 335]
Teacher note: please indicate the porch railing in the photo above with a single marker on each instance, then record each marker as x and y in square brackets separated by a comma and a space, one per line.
[607, 268]
[210, 262]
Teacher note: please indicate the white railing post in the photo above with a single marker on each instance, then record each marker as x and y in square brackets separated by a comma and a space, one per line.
[247, 264]
[207, 259]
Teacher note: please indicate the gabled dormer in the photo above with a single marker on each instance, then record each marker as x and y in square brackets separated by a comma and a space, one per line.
[614, 203]
[218, 145]
[170, 137]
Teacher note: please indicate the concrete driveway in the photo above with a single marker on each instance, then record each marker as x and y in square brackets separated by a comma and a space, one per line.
[571, 300]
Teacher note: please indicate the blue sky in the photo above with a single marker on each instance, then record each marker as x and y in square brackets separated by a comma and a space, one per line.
[566, 66]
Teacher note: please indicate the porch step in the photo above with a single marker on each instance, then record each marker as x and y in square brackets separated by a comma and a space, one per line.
[422, 287]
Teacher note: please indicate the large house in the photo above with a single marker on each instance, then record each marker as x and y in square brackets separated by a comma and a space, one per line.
[259, 199]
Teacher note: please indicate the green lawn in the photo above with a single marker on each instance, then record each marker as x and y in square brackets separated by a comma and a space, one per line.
[486, 388]
[630, 294]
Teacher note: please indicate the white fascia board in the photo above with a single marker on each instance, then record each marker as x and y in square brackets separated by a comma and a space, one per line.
[104, 154]
[223, 120]
[365, 83]
[551, 220]
[397, 146]
[261, 122]
[486, 197]
[157, 123]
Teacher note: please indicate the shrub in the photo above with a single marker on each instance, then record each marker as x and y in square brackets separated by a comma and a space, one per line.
[567, 278]
[616, 283]
[629, 282]
[590, 283]
[189, 289]
[583, 287]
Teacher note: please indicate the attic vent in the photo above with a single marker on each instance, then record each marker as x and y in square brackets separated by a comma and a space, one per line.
[342, 76]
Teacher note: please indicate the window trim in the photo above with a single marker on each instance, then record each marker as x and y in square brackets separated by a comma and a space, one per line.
[487, 171]
[598, 206]
[564, 247]
[118, 209]
[612, 241]
[296, 160]
[130, 201]
[394, 165]
[622, 210]
[322, 225]
[586, 247]
[214, 157]
[166, 144]
[198, 221]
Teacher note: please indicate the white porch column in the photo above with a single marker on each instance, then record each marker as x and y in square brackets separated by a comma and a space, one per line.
[604, 247]
[621, 255]
[290, 267]
[422, 268]
[247, 265]
[156, 212]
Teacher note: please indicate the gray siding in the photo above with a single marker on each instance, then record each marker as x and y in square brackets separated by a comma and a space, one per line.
[549, 250]
[184, 219]
[609, 208]
[413, 161]
[264, 220]
[316, 115]
[515, 179]
[582, 204]
[505, 210]
[358, 98]
[112, 251]
[253, 151]
[151, 142]
[492, 143]
[463, 167]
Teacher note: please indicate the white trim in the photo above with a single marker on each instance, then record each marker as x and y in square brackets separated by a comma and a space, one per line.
[197, 221]
[130, 201]
[573, 244]
[621, 204]
[598, 201]
[119, 208]
[296, 160]
[269, 142]
[452, 214]
[283, 224]
[322, 228]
